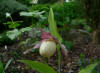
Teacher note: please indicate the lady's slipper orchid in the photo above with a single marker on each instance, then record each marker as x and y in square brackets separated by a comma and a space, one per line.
[47, 46]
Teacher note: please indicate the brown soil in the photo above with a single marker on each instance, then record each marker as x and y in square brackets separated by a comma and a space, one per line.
[15, 51]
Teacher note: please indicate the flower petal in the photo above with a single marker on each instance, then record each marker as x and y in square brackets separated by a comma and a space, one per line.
[35, 47]
[45, 35]
[64, 51]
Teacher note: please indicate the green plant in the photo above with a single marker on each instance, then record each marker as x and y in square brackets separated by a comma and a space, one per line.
[2, 68]
[83, 62]
[66, 12]
[25, 43]
[54, 32]
[53, 26]
[88, 65]
[92, 11]
[11, 6]
[34, 15]
[22, 43]
[5, 40]
[9, 37]
[15, 33]
[13, 25]
[89, 68]
[45, 48]
[40, 67]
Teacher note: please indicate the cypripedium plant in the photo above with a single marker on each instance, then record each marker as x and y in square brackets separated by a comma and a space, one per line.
[48, 45]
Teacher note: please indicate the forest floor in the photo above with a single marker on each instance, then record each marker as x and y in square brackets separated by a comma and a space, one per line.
[15, 51]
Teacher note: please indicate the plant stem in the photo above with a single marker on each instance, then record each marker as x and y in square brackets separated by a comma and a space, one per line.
[11, 19]
[44, 60]
[59, 58]
[32, 16]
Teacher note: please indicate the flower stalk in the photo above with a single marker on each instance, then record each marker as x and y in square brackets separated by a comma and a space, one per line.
[8, 15]
[59, 58]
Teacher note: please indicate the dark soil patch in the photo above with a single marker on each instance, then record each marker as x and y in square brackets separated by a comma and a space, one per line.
[15, 51]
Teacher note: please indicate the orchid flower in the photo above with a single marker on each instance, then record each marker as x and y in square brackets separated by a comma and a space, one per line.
[47, 45]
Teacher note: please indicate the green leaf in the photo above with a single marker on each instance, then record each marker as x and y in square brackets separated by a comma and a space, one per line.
[13, 34]
[42, 68]
[1, 67]
[12, 24]
[36, 14]
[26, 29]
[7, 64]
[26, 13]
[53, 26]
[89, 68]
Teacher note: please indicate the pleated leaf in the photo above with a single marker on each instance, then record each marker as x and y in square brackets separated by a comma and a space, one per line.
[53, 26]
[1, 67]
[40, 67]
[89, 68]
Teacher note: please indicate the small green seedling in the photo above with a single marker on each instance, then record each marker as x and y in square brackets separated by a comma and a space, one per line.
[2, 68]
